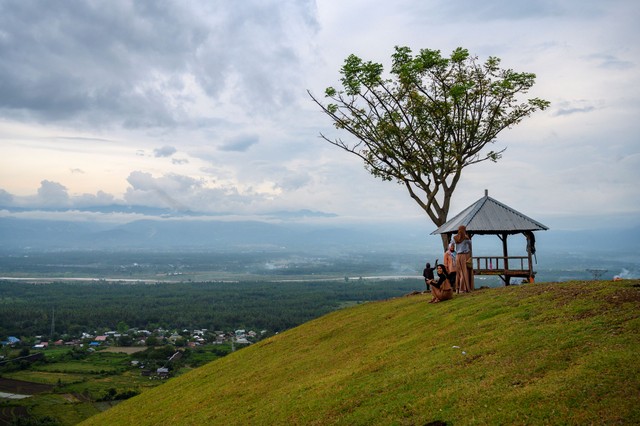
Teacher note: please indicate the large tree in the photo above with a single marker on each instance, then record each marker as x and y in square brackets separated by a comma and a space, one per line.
[428, 119]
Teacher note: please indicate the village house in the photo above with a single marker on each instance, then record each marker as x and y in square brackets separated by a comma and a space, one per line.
[11, 341]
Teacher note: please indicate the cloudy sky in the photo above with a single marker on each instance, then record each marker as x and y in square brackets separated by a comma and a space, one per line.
[202, 105]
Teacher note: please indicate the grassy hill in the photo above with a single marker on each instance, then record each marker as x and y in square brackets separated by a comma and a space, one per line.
[561, 353]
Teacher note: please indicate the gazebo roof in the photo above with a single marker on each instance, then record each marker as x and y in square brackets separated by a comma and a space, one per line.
[489, 216]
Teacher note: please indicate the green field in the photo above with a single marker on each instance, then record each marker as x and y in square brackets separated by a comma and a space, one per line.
[557, 353]
[84, 387]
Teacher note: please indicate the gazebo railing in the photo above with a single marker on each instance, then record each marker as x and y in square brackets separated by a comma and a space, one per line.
[499, 264]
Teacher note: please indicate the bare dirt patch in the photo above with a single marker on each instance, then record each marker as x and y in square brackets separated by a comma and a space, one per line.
[124, 349]
[625, 295]
[563, 293]
[9, 415]
[70, 397]
[23, 388]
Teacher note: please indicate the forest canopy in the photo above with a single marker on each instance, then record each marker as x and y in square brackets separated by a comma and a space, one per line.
[27, 309]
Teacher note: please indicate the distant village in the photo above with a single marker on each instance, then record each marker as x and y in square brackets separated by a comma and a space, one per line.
[33, 349]
[135, 337]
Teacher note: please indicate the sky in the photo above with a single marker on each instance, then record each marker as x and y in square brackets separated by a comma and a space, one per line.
[202, 106]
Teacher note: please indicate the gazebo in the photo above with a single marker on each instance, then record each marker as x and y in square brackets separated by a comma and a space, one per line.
[488, 216]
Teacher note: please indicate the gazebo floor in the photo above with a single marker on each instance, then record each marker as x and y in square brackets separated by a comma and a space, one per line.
[508, 272]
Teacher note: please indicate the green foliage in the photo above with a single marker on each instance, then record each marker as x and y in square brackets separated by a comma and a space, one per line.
[80, 388]
[157, 353]
[35, 421]
[125, 340]
[273, 306]
[151, 341]
[75, 353]
[112, 394]
[558, 353]
[122, 327]
[204, 355]
[432, 117]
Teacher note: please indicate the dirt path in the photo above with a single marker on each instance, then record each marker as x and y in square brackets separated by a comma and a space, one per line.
[125, 349]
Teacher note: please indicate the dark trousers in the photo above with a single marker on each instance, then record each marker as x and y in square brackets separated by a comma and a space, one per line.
[452, 280]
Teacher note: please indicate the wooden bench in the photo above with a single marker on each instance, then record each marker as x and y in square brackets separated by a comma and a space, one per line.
[504, 267]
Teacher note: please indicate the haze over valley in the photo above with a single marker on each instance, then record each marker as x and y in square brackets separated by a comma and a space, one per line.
[208, 249]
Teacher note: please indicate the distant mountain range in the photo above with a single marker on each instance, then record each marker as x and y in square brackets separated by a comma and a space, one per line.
[162, 212]
[34, 234]
[168, 232]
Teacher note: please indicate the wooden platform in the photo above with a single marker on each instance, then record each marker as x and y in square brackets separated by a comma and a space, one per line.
[504, 267]
[508, 272]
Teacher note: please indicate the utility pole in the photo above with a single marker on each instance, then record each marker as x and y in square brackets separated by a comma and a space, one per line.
[53, 322]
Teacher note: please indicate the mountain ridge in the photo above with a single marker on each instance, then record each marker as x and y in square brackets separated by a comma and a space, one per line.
[216, 234]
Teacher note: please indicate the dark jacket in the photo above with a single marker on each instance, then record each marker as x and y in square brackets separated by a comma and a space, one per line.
[427, 273]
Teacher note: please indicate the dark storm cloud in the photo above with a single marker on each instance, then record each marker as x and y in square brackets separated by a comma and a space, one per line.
[67, 59]
[125, 61]
[266, 44]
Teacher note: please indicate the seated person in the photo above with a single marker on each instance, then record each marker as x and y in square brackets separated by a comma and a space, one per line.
[441, 289]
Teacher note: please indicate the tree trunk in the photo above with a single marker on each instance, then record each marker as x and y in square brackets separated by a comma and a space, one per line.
[446, 239]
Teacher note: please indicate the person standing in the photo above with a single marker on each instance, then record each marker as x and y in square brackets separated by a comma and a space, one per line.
[427, 273]
[464, 272]
[449, 262]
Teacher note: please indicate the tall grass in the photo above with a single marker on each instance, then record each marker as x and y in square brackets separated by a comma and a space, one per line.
[533, 354]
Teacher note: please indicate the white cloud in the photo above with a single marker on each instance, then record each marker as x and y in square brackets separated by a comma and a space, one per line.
[5, 198]
[53, 194]
[101, 198]
[165, 151]
[240, 143]
[567, 108]
[96, 97]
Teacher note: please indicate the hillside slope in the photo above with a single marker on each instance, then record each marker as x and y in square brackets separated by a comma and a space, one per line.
[533, 354]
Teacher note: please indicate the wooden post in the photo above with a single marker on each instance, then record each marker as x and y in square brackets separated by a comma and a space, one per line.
[531, 277]
[505, 253]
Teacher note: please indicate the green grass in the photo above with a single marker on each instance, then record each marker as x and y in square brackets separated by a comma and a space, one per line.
[80, 384]
[44, 377]
[98, 363]
[532, 354]
[64, 411]
[79, 368]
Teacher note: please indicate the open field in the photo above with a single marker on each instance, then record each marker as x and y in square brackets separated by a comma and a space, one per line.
[550, 347]
[71, 390]
[23, 387]
[44, 377]
[124, 349]
[544, 353]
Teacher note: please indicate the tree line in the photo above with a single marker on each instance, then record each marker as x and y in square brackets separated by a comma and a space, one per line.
[28, 309]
